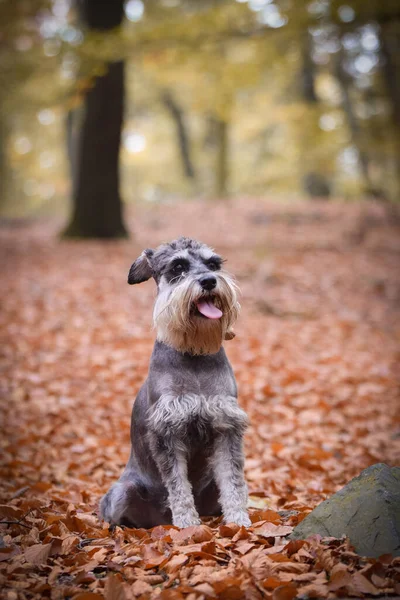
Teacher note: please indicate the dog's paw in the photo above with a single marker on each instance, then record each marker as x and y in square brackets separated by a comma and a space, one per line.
[186, 520]
[239, 517]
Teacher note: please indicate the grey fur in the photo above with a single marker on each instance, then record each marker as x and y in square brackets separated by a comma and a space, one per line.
[187, 427]
[141, 269]
[176, 412]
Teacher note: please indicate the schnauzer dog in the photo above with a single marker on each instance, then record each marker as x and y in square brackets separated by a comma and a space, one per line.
[187, 427]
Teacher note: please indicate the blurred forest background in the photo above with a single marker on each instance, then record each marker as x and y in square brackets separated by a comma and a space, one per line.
[158, 100]
[269, 129]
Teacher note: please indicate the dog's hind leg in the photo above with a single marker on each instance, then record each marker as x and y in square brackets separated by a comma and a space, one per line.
[114, 504]
[128, 503]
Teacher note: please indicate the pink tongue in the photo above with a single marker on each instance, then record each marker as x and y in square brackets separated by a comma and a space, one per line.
[209, 310]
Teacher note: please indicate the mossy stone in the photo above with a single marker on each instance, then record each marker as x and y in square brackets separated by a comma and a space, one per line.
[366, 510]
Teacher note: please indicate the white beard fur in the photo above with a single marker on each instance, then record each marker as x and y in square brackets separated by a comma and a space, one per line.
[179, 327]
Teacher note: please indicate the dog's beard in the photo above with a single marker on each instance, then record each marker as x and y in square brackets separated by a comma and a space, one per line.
[180, 325]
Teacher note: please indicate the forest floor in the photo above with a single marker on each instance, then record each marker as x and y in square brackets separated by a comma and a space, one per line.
[315, 357]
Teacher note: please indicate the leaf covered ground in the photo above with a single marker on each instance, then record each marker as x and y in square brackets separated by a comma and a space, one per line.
[315, 358]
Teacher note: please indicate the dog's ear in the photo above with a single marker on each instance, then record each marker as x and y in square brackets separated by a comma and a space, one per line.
[141, 269]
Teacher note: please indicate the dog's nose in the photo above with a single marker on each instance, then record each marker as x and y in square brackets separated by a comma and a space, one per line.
[208, 283]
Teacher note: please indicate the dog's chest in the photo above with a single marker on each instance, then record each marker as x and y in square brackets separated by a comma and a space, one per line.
[195, 415]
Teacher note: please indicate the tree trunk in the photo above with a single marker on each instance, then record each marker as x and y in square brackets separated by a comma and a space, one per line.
[3, 163]
[390, 50]
[314, 183]
[222, 170]
[9, 199]
[73, 126]
[352, 122]
[182, 133]
[93, 140]
[308, 70]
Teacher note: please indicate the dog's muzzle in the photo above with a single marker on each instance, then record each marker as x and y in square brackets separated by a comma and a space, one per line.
[207, 308]
[206, 305]
[208, 283]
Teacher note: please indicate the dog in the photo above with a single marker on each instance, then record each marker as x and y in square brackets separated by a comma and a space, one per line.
[187, 427]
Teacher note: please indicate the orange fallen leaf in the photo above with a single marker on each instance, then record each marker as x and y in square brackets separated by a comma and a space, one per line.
[114, 589]
[266, 515]
[87, 596]
[38, 553]
[171, 595]
[362, 585]
[271, 583]
[175, 562]
[41, 486]
[196, 533]
[228, 530]
[285, 592]
[271, 530]
[339, 577]
[8, 552]
[152, 557]
[293, 546]
[244, 547]
[138, 588]
[276, 447]
[315, 590]
[10, 512]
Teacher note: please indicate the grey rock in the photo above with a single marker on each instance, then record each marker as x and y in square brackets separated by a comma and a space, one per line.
[366, 510]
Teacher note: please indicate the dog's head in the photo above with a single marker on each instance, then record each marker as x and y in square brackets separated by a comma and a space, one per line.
[196, 303]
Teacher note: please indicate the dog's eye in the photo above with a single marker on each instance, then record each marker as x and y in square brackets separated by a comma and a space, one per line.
[179, 267]
[213, 265]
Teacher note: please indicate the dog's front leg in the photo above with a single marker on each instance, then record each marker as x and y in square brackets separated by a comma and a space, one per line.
[171, 459]
[228, 463]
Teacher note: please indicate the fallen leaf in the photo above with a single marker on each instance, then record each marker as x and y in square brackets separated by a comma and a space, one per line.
[271, 583]
[38, 553]
[285, 592]
[266, 515]
[271, 530]
[314, 590]
[362, 585]
[175, 562]
[87, 596]
[293, 546]
[139, 587]
[8, 511]
[152, 557]
[114, 589]
[339, 577]
[228, 530]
